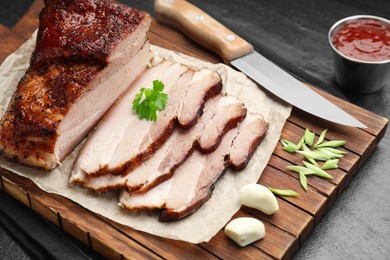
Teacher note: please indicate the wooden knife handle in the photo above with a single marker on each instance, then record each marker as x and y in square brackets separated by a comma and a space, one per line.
[202, 28]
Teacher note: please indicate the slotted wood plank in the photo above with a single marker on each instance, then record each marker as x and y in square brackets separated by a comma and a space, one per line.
[223, 248]
[362, 142]
[29, 22]
[294, 133]
[278, 243]
[310, 201]
[286, 229]
[166, 248]
[15, 191]
[75, 220]
[289, 218]
[3, 29]
[321, 185]
[1, 183]
[376, 124]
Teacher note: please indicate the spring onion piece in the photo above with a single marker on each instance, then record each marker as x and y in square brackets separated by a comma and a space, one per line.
[321, 138]
[320, 155]
[318, 171]
[330, 164]
[330, 153]
[310, 159]
[333, 144]
[332, 150]
[309, 137]
[287, 193]
[303, 180]
[325, 151]
[301, 142]
[300, 169]
[289, 146]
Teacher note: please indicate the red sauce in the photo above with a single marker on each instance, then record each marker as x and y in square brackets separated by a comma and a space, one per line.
[364, 39]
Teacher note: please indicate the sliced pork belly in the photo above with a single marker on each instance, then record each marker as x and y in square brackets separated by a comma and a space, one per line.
[121, 129]
[192, 184]
[114, 149]
[221, 113]
[88, 53]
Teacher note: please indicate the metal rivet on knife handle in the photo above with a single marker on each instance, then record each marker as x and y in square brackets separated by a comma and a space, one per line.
[206, 30]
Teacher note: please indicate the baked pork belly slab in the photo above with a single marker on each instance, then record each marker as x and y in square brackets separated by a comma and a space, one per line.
[88, 53]
[221, 114]
[192, 184]
[98, 30]
[121, 142]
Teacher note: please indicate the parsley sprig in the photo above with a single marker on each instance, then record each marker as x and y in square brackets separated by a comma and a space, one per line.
[148, 101]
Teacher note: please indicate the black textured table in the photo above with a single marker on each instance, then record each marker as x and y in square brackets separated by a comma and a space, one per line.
[293, 34]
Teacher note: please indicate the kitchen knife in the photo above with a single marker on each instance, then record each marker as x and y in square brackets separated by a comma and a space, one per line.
[233, 49]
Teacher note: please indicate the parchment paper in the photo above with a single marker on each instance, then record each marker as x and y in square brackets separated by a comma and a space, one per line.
[224, 202]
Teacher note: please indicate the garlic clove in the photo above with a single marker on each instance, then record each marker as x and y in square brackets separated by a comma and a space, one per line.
[259, 197]
[245, 231]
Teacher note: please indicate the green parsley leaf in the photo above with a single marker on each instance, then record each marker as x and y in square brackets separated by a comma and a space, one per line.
[148, 101]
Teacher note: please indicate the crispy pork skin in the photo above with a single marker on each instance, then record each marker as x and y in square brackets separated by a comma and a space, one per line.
[98, 30]
[122, 141]
[88, 53]
[192, 184]
[221, 113]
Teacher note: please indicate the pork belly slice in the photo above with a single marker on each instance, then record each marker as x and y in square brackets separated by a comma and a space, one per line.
[88, 53]
[221, 113]
[120, 127]
[192, 184]
[122, 141]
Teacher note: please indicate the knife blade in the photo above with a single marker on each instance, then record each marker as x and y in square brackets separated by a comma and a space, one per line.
[208, 32]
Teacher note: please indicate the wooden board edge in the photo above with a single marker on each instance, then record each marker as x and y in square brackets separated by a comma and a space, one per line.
[29, 22]
[15, 187]
[15, 191]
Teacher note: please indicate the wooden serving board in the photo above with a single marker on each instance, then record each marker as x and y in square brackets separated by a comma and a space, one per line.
[285, 231]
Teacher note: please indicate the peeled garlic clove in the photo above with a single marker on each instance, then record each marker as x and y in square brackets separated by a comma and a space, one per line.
[259, 197]
[245, 230]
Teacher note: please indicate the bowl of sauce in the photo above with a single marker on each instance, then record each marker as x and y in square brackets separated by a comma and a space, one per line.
[361, 51]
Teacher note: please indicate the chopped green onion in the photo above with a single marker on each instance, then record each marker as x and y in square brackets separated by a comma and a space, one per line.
[300, 143]
[321, 151]
[318, 171]
[305, 148]
[310, 159]
[288, 193]
[328, 152]
[330, 164]
[303, 180]
[332, 150]
[309, 137]
[320, 155]
[300, 169]
[289, 146]
[332, 144]
[321, 138]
